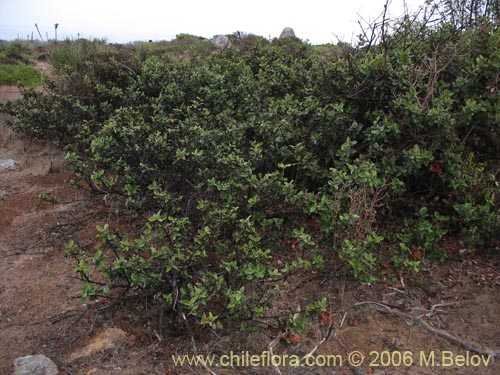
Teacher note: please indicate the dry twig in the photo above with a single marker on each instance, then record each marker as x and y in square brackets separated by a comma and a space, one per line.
[328, 332]
[270, 347]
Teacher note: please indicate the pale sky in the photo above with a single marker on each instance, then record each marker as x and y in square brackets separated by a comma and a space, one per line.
[121, 21]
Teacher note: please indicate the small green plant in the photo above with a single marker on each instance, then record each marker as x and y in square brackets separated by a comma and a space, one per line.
[44, 197]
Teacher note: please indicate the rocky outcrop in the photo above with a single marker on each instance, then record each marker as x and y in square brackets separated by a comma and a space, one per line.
[35, 365]
[287, 33]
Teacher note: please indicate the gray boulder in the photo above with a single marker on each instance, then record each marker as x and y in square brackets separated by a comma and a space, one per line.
[35, 365]
[287, 32]
[9, 165]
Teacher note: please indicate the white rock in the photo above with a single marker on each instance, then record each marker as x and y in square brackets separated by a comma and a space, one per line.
[35, 365]
[9, 165]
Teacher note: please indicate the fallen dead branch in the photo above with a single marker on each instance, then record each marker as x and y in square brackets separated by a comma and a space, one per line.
[354, 370]
[438, 332]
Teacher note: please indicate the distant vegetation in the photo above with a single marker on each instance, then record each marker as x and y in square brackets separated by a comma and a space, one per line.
[17, 57]
[274, 159]
[65, 54]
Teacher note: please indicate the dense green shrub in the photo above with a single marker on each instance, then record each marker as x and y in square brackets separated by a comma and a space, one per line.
[270, 158]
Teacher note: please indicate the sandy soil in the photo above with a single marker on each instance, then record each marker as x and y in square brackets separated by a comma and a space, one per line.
[40, 312]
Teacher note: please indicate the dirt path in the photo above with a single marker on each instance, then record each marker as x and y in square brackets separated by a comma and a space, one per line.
[40, 312]
[36, 281]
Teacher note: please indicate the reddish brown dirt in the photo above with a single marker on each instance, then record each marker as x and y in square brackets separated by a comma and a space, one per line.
[40, 312]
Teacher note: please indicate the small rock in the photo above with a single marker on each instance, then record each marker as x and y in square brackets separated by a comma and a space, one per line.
[35, 365]
[9, 165]
[287, 32]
